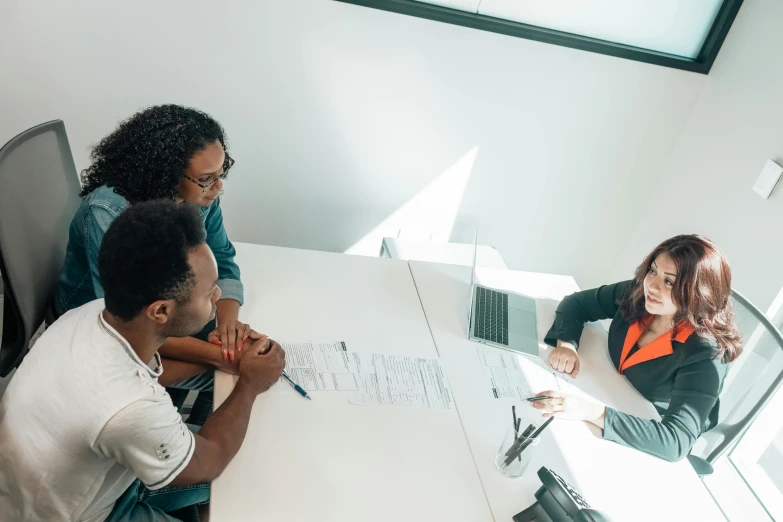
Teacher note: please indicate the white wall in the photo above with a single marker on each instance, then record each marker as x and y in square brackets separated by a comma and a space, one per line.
[735, 126]
[338, 115]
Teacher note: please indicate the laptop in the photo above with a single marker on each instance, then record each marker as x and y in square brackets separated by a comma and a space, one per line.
[499, 318]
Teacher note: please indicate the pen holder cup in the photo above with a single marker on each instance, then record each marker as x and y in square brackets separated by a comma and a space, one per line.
[516, 446]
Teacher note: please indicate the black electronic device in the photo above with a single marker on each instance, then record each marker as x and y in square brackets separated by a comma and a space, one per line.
[558, 501]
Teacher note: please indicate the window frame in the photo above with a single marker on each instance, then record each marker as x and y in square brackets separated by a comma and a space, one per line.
[701, 64]
[742, 456]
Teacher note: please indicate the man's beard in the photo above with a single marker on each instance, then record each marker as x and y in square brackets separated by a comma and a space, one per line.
[182, 324]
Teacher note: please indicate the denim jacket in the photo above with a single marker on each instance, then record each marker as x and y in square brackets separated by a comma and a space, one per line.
[79, 282]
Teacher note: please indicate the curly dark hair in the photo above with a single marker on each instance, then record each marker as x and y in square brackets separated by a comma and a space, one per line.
[145, 158]
[702, 292]
[144, 256]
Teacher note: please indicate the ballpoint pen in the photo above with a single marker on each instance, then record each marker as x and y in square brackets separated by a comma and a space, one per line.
[519, 448]
[298, 388]
[520, 438]
[538, 398]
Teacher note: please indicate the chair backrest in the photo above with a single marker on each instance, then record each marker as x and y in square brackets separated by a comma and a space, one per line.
[753, 379]
[39, 195]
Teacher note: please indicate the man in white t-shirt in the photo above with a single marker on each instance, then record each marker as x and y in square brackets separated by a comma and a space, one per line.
[87, 430]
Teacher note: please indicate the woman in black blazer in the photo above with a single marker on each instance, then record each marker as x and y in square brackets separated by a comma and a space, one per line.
[672, 335]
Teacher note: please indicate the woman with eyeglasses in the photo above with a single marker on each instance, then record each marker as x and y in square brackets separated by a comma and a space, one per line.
[163, 152]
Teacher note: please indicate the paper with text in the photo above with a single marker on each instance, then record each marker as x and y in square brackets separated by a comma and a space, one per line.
[503, 374]
[402, 381]
[321, 366]
[505, 378]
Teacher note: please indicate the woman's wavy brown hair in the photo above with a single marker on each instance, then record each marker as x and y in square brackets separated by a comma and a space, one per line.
[701, 292]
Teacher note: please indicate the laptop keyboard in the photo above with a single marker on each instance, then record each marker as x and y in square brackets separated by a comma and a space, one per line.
[491, 321]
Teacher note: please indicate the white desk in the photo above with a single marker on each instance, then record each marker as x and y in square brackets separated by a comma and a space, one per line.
[613, 478]
[326, 460]
[449, 253]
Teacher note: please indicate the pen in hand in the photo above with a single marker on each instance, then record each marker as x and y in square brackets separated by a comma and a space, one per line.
[538, 398]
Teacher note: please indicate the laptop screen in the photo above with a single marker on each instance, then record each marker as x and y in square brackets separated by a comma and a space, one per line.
[472, 279]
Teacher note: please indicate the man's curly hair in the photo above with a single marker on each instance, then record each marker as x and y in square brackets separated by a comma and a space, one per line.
[144, 256]
[145, 158]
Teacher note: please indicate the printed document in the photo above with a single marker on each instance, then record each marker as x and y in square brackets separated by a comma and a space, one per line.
[321, 366]
[402, 381]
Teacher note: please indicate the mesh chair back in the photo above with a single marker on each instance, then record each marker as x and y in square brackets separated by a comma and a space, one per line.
[752, 380]
[39, 195]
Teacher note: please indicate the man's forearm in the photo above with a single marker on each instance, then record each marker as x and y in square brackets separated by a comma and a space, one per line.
[190, 349]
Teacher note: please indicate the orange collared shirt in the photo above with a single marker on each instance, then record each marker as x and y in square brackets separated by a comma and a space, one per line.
[659, 347]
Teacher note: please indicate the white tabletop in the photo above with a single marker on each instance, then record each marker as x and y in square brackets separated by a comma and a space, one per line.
[624, 483]
[326, 459]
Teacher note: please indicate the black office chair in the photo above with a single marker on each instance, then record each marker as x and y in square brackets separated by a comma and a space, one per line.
[752, 382]
[39, 195]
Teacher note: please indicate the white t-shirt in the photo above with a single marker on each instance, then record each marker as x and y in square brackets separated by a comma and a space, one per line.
[83, 418]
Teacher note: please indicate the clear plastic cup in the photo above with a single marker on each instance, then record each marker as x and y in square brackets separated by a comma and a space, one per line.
[524, 447]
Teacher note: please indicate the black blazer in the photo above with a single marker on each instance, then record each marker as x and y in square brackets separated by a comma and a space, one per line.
[684, 386]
